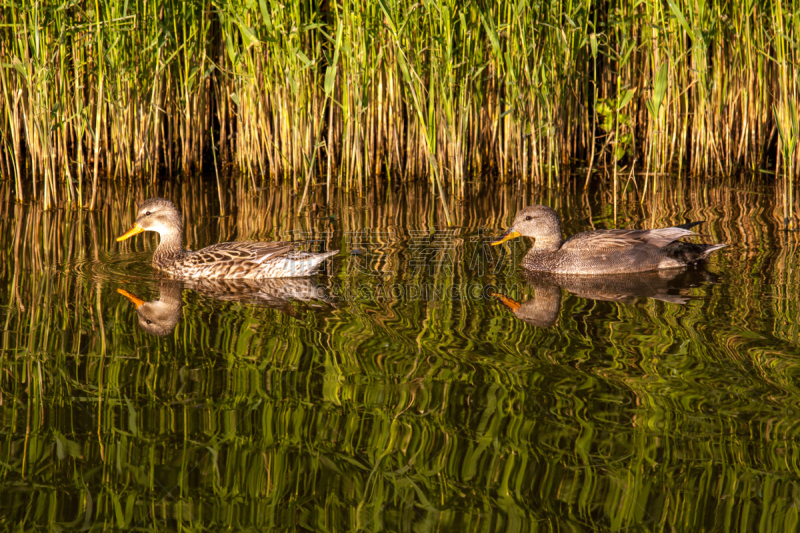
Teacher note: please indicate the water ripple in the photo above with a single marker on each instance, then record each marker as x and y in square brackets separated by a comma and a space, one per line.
[113, 267]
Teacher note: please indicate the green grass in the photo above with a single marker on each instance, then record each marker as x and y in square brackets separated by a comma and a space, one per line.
[353, 93]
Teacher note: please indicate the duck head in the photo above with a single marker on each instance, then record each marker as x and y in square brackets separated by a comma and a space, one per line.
[538, 222]
[156, 214]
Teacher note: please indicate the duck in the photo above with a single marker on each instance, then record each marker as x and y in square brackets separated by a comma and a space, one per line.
[227, 260]
[600, 252]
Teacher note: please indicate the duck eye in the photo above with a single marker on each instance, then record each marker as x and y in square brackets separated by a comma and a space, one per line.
[528, 217]
[149, 322]
[147, 213]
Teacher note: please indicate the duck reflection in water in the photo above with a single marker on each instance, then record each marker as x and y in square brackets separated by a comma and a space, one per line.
[159, 317]
[542, 309]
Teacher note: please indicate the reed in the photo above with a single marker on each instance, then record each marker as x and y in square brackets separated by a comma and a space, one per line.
[363, 92]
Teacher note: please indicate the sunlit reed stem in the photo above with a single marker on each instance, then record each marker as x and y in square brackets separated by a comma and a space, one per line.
[451, 92]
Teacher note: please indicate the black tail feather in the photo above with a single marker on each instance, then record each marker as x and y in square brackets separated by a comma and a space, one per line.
[690, 225]
[691, 253]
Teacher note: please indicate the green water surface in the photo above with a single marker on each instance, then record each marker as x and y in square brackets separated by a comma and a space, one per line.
[394, 391]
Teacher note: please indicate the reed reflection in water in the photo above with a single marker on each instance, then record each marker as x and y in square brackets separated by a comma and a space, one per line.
[403, 397]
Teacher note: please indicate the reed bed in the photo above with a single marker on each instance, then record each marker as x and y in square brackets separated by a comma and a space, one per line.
[354, 93]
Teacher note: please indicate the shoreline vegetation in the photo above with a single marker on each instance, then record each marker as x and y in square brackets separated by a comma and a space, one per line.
[353, 93]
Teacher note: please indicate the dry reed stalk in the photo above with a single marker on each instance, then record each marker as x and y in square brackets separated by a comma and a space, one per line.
[487, 90]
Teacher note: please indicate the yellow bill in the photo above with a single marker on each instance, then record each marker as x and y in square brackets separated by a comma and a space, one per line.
[136, 229]
[134, 300]
[507, 236]
[508, 302]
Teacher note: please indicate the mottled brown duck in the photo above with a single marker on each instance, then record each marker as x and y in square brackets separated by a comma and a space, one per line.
[228, 260]
[601, 252]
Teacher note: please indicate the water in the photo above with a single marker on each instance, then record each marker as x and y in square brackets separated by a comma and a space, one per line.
[394, 391]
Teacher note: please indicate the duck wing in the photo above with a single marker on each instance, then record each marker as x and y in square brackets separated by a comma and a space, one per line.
[240, 252]
[620, 239]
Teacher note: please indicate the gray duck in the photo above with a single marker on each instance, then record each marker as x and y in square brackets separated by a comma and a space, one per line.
[608, 251]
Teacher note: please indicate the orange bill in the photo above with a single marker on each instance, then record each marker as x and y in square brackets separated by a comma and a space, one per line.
[131, 232]
[508, 302]
[134, 300]
[507, 236]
